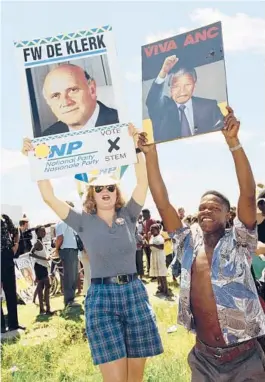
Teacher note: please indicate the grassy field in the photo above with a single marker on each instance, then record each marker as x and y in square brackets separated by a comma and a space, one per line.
[55, 349]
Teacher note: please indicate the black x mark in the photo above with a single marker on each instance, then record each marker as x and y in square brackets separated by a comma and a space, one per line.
[113, 145]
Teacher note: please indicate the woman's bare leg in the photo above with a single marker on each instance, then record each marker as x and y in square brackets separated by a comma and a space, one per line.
[136, 369]
[114, 371]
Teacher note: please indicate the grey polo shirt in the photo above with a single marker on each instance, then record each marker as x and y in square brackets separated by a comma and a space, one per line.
[111, 249]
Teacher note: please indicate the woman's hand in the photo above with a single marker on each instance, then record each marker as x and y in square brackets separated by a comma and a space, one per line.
[133, 132]
[27, 146]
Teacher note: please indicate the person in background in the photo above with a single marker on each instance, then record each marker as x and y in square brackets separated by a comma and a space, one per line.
[84, 258]
[187, 220]
[139, 254]
[158, 267]
[56, 262]
[261, 216]
[147, 223]
[139, 225]
[25, 238]
[181, 213]
[9, 246]
[232, 216]
[38, 252]
[168, 245]
[66, 245]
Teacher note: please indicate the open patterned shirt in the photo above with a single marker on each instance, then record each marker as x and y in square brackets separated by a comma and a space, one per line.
[239, 311]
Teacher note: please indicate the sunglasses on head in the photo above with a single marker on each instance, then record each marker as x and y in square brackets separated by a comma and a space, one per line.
[110, 188]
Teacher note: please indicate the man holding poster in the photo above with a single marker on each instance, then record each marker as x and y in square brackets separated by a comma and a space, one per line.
[218, 298]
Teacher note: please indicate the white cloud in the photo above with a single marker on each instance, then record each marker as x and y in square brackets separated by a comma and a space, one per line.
[11, 159]
[240, 32]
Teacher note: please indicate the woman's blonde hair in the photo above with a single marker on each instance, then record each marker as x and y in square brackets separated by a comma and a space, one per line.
[90, 204]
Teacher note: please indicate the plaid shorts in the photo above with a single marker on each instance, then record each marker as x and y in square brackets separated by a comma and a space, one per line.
[120, 322]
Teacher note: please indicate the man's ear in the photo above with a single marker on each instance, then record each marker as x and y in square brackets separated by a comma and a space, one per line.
[93, 89]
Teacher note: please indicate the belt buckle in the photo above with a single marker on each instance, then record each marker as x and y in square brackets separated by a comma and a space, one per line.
[123, 279]
[219, 355]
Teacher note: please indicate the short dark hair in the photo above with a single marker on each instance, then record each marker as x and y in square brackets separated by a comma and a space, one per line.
[146, 211]
[156, 225]
[37, 228]
[224, 199]
[23, 222]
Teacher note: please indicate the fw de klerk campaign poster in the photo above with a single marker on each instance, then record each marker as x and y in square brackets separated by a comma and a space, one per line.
[73, 103]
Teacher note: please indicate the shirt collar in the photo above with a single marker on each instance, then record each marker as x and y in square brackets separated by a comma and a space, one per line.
[188, 104]
[91, 122]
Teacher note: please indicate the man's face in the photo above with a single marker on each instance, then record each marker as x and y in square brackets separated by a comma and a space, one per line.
[182, 88]
[71, 98]
[181, 213]
[154, 231]
[213, 214]
[25, 226]
[42, 232]
[261, 205]
[146, 215]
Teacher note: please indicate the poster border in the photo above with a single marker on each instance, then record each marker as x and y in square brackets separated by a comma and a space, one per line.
[62, 37]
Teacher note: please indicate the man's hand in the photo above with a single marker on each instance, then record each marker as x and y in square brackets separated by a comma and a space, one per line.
[231, 128]
[143, 144]
[168, 65]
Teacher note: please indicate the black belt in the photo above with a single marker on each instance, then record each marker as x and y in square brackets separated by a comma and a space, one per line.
[119, 279]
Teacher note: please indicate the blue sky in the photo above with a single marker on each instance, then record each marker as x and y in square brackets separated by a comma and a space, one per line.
[189, 167]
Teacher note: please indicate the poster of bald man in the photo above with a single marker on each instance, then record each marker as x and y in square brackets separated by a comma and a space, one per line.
[73, 104]
[184, 91]
[72, 82]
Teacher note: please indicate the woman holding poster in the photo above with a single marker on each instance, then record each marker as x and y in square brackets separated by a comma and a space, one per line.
[120, 323]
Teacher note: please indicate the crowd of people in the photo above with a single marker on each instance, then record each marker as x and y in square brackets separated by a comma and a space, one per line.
[63, 248]
[220, 300]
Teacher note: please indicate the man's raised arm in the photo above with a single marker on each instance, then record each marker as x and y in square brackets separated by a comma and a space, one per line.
[247, 200]
[157, 186]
